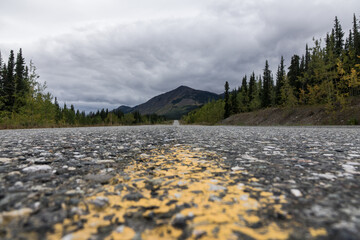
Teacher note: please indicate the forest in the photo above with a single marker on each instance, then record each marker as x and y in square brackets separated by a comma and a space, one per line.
[24, 102]
[326, 74]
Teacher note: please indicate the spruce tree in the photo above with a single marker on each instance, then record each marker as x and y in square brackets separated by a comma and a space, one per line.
[280, 75]
[339, 37]
[227, 107]
[307, 57]
[267, 87]
[58, 114]
[349, 43]
[252, 87]
[9, 83]
[1, 83]
[234, 102]
[302, 65]
[1, 77]
[21, 87]
[260, 88]
[356, 39]
[244, 95]
[294, 73]
[288, 98]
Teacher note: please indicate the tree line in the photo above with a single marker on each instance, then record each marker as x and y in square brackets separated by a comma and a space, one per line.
[326, 74]
[24, 102]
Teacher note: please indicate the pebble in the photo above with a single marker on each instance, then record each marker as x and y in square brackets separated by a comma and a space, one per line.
[216, 187]
[296, 192]
[100, 202]
[197, 234]
[133, 197]
[179, 221]
[5, 160]
[99, 178]
[6, 217]
[237, 168]
[36, 168]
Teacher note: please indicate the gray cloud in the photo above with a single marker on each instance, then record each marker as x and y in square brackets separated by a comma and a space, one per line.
[105, 64]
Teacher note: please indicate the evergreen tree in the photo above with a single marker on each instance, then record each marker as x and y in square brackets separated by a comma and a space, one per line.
[349, 44]
[302, 65]
[356, 39]
[71, 115]
[244, 95]
[9, 83]
[339, 37]
[227, 106]
[137, 117]
[288, 98]
[1, 82]
[255, 103]
[294, 72]
[103, 114]
[267, 87]
[307, 57]
[252, 87]
[260, 88]
[21, 86]
[58, 114]
[234, 102]
[280, 78]
[1, 69]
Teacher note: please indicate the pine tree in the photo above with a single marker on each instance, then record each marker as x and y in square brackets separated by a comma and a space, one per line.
[302, 65]
[339, 37]
[356, 39]
[1, 76]
[288, 98]
[1, 83]
[21, 86]
[267, 87]
[234, 102]
[349, 43]
[280, 75]
[307, 57]
[252, 87]
[227, 106]
[260, 88]
[58, 114]
[255, 103]
[294, 73]
[9, 83]
[244, 98]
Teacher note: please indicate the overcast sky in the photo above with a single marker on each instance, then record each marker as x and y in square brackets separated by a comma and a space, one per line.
[106, 53]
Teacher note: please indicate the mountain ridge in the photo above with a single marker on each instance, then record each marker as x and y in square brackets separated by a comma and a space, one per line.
[174, 103]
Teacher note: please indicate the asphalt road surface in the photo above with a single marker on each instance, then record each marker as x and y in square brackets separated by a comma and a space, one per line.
[180, 182]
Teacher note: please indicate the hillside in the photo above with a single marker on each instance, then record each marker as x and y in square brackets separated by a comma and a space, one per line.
[302, 115]
[175, 103]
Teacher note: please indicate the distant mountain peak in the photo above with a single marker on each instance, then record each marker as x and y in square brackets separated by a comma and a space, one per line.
[175, 103]
[184, 87]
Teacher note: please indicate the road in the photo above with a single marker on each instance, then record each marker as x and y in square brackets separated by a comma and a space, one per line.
[180, 182]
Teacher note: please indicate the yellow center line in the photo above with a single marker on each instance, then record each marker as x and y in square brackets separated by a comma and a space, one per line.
[178, 192]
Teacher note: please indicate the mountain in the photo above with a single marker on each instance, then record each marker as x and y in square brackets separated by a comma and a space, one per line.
[173, 104]
[124, 109]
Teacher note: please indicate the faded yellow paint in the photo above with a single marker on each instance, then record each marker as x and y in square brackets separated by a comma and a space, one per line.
[317, 232]
[271, 231]
[216, 206]
[163, 232]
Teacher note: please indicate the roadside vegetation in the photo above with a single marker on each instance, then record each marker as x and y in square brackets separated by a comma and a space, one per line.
[327, 74]
[24, 102]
